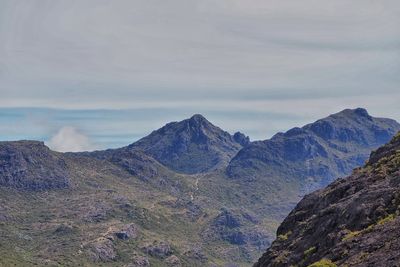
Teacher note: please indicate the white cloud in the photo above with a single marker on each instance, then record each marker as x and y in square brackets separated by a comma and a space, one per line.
[69, 139]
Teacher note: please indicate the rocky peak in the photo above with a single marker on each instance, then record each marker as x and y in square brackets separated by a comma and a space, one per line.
[190, 146]
[241, 138]
[198, 119]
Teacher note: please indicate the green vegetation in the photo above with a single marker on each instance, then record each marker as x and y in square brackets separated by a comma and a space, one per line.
[352, 234]
[388, 218]
[284, 237]
[310, 251]
[382, 221]
[323, 263]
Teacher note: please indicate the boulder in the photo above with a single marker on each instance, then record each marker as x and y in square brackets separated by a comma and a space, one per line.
[173, 261]
[159, 249]
[102, 250]
[127, 231]
[139, 261]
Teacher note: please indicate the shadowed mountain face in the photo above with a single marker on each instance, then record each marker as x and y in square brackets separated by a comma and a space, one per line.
[317, 153]
[191, 146]
[353, 222]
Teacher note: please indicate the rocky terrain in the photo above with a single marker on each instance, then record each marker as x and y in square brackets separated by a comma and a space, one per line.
[177, 197]
[31, 165]
[353, 222]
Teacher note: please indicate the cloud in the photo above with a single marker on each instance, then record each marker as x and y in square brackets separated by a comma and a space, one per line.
[69, 139]
[75, 52]
[258, 66]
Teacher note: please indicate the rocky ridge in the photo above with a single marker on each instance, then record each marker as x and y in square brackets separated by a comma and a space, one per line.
[353, 222]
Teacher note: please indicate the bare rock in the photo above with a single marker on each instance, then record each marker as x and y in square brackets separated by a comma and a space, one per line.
[31, 165]
[128, 231]
[102, 250]
[139, 261]
[159, 249]
[173, 261]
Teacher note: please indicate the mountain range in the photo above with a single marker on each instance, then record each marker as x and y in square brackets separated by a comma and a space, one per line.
[188, 194]
[352, 222]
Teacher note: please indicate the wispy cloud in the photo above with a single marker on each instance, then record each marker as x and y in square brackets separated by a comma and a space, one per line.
[69, 139]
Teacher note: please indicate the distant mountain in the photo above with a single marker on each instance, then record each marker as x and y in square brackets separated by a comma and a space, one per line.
[191, 146]
[353, 222]
[317, 153]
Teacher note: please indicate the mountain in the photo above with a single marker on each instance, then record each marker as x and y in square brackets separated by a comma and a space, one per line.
[353, 222]
[133, 206]
[317, 153]
[190, 146]
[31, 165]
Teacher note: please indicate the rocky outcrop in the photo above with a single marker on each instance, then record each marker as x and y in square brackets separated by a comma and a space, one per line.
[241, 139]
[139, 261]
[237, 229]
[173, 261]
[158, 249]
[128, 231]
[31, 165]
[353, 222]
[102, 250]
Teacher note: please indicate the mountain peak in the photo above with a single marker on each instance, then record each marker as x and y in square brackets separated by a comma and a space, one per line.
[359, 112]
[190, 146]
[198, 118]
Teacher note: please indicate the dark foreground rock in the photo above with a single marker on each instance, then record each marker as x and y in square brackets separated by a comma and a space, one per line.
[353, 222]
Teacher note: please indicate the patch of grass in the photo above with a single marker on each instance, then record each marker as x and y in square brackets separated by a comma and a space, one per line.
[351, 235]
[284, 237]
[382, 221]
[309, 251]
[388, 218]
[323, 263]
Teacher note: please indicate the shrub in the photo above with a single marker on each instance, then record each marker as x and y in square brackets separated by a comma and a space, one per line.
[388, 218]
[310, 251]
[284, 237]
[323, 263]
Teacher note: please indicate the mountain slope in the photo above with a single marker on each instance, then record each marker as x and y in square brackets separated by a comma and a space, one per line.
[31, 165]
[190, 146]
[352, 222]
[317, 153]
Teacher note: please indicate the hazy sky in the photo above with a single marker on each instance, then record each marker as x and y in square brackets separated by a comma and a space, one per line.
[91, 74]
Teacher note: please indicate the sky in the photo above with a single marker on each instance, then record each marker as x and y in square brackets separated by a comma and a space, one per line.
[94, 74]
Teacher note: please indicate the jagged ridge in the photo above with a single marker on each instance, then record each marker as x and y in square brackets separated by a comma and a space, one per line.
[353, 222]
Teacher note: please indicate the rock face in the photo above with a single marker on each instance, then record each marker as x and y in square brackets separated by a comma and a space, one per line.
[31, 165]
[173, 261]
[158, 249]
[317, 153]
[102, 250]
[139, 261]
[353, 222]
[128, 231]
[190, 146]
